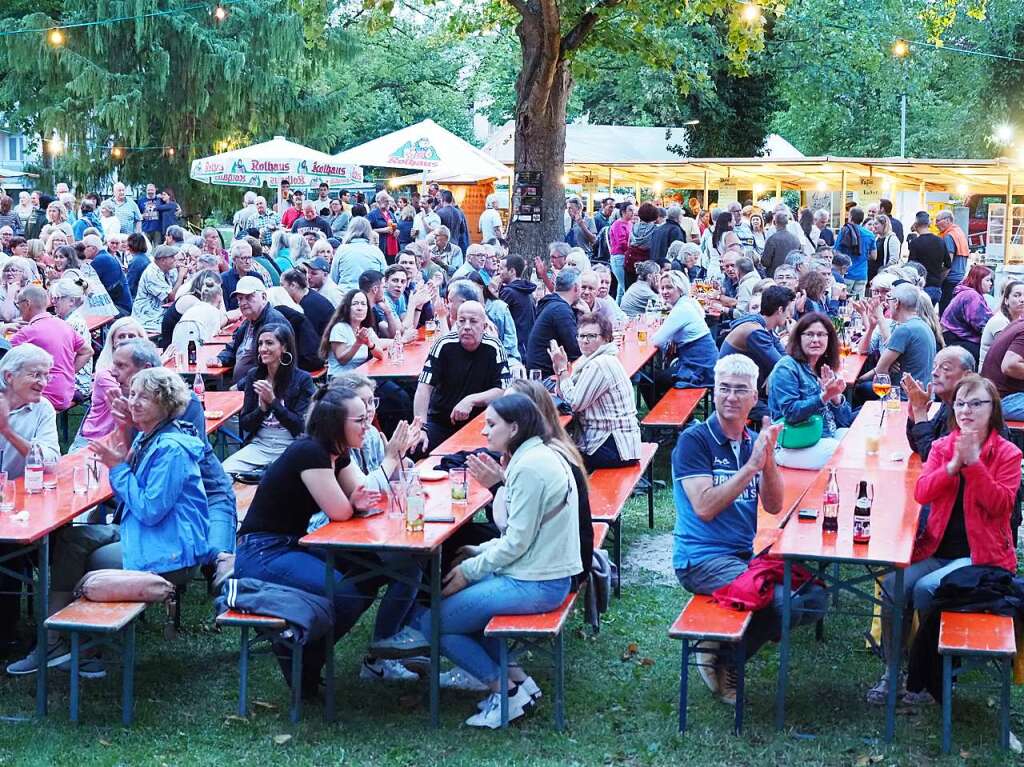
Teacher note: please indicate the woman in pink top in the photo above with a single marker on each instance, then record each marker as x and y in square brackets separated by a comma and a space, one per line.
[618, 241]
[100, 421]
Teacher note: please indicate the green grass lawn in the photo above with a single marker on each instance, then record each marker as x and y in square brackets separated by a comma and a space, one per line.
[619, 712]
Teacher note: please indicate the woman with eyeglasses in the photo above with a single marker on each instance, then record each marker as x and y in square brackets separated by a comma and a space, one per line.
[965, 317]
[600, 395]
[316, 472]
[277, 396]
[1011, 309]
[970, 481]
[804, 387]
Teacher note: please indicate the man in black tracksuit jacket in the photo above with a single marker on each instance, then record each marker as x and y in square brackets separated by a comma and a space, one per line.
[555, 320]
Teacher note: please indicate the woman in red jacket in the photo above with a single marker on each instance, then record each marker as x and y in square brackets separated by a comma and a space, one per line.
[970, 481]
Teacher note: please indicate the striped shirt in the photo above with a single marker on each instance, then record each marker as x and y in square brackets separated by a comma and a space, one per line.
[601, 397]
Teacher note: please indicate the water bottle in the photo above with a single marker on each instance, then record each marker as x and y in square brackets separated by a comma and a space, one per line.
[34, 469]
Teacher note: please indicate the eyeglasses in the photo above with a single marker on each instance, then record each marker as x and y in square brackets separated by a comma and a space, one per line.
[371, 404]
[971, 404]
[587, 336]
[733, 391]
[813, 334]
[43, 377]
[361, 420]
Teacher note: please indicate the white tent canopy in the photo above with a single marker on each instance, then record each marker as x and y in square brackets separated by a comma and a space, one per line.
[272, 162]
[622, 145]
[434, 153]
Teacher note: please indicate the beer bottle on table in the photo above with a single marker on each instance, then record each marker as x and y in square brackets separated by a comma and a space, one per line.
[830, 505]
[862, 514]
[193, 352]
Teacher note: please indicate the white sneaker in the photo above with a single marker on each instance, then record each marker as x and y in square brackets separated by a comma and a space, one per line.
[491, 714]
[460, 679]
[707, 667]
[381, 670]
[406, 643]
[531, 689]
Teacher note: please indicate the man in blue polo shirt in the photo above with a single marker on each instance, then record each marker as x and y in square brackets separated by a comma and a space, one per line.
[719, 470]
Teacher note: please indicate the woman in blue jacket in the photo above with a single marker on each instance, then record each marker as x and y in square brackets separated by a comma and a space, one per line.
[804, 384]
[161, 521]
[277, 396]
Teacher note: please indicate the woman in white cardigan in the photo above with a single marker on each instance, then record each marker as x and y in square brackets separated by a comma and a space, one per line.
[527, 570]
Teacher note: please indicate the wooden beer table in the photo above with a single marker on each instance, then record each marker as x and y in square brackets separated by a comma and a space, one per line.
[47, 511]
[359, 540]
[471, 437]
[208, 365]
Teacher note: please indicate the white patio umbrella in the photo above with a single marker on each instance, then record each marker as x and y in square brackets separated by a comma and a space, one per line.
[272, 162]
[434, 153]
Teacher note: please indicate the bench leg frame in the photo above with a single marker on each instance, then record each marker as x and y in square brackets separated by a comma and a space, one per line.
[127, 652]
[734, 653]
[1003, 667]
[295, 709]
[557, 655]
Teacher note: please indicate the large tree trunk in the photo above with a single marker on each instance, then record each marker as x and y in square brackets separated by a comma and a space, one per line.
[542, 93]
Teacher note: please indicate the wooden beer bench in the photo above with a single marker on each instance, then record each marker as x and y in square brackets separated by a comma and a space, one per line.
[609, 491]
[100, 622]
[702, 621]
[982, 640]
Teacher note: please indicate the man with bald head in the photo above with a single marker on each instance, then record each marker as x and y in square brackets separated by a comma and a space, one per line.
[311, 221]
[466, 369]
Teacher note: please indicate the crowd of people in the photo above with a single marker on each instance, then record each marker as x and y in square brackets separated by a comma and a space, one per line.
[759, 305]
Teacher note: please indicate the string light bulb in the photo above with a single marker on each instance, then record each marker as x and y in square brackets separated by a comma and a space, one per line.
[55, 37]
[117, 153]
[750, 13]
[220, 13]
[900, 49]
[961, 190]
[1004, 133]
[169, 151]
[56, 145]
[821, 186]
[564, 179]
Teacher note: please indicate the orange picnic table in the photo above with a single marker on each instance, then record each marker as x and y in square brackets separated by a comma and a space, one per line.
[360, 540]
[850, 367]
[410, 366]
[471, 437]
[94, 323]
[208, 363]
[30, 536]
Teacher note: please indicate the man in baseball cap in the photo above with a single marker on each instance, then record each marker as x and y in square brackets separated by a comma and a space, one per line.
[251, 295]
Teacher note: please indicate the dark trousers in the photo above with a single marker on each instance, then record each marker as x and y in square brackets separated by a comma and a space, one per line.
[605, 457]
[952, 339]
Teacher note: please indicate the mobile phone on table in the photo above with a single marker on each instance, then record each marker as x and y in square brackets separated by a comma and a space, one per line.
[807, 514]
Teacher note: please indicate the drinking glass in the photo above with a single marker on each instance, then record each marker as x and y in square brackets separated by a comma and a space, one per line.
[458, 481]
[49, 473]
[80, 479]
[881, 385]
[872, 439]
[396, 499]
[893, 402]
[8, 492]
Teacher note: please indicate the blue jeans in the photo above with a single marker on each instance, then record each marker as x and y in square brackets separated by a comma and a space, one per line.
[1013, 406]
[279, 559]
[617, 263]
[808, 606]
[920, 582]
[465, 614]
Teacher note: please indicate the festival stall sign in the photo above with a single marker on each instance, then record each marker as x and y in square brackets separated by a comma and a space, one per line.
[272, 162]
[435, 154]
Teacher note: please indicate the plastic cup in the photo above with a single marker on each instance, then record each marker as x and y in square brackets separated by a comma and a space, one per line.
[49, 473]
[872, 440]
[80, 479]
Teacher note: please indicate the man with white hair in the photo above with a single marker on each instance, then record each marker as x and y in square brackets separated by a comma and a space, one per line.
[6, 234]
[779, 244]
[911, 345]
[491, 227]
[476, 259]
[311, 221]
[740, 225]
[720, 470]
[820, 229]
[109, 270]
[126, 210]
[383, 221]
[241, 266]
[580, 229]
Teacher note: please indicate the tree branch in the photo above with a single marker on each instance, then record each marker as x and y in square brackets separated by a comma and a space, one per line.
[576, 36]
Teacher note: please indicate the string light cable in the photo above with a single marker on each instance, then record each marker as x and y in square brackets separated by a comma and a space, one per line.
[55, 32]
